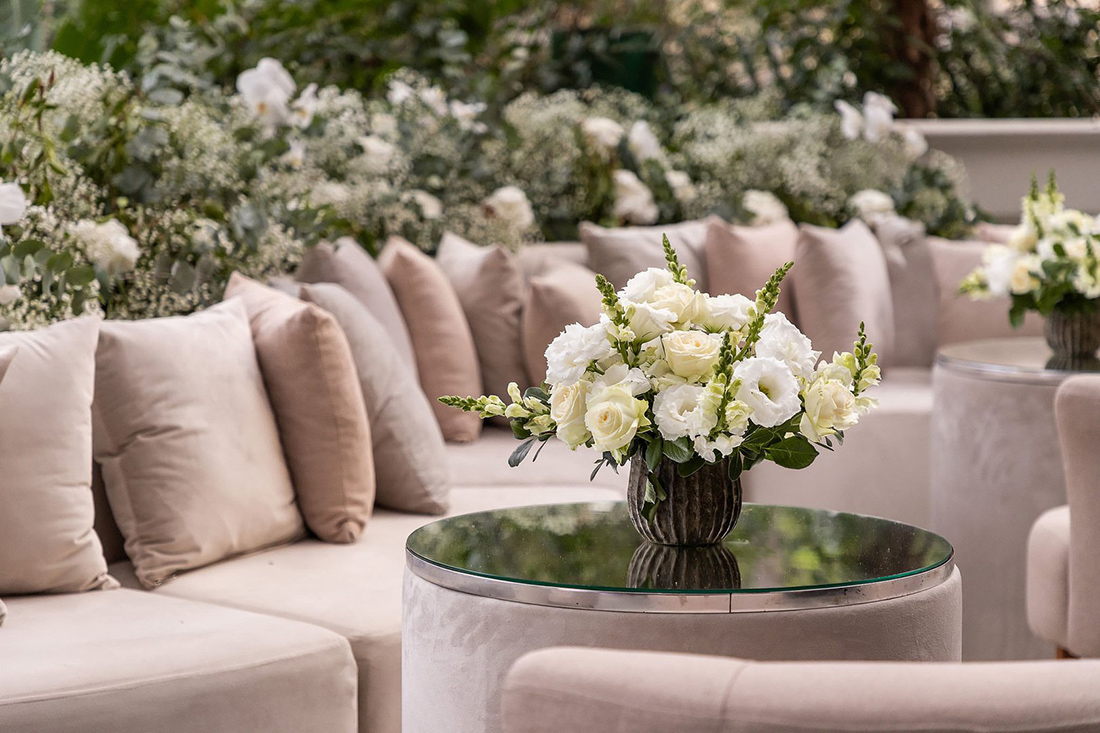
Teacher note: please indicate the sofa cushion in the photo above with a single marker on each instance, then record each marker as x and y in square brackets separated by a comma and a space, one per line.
[914, 290]
[411, 467]
[565, 293]
[840, 281]
[129, 661]
[622, 252]
[348, 265]
[741, 259]
[188, 443]
[446, 357]
[354, 590]
[314, 389]
[538, 257]
[490, 286]
[1048, 576]
[47, 543]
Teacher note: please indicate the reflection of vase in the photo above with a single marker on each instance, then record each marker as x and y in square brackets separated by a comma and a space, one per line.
[699, 509]
[1073, 334]
[661, 567]
[1073, 363]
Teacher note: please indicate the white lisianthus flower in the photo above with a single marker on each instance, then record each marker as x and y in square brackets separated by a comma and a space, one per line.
[567, 408]
[570, 354]
[9, 294]
[108, 245]
[511, 205]
[781, 339]
[915, 143]
[648, 322]
[999, 263]
[872, 206]
[727, 312]
[682, 187]
[765, 207]
[830, 408]
[713, 450]
[304, 107]
[377, 152]
[13, 204]
[634, 202]
[851, 121]
[614, 416]
[267, 90]
[692, 354]
[295, 157]
[679, 412]
[641, 287]
[878, 116]
[689, 305]
[602, 132]
[769, 389]
[430, 206]
[643, 143]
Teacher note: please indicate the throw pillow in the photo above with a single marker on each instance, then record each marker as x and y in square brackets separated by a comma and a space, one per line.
[188, 443]
[314, 388]
[914, 290]
[412, 463]
[741, 259]
[349, 266]
[47, 540]
[620, 253]
[445, 354]
[489, 284]
[840, 280]
[565, 293]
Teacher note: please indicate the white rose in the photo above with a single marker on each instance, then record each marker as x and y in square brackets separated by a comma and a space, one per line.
[765, 208]
[679, 412]
[377, 152]
[570, 354]
[727, 312]
[1023, 238]
[641, 287]
[1022, 280]
[692, 354]
[643, 143]
[851, 121]
[689, 305]
[13, 203]
[602, 132]
[108, 245]
[998, 264]
[878, 115]
[620, 375]
[769, 389]
[510, 204]
[304, 107]
[267, 90]
[430, 206]
[781, 339]
[682, 187]
[648, 322]
[9, 294]
[872, 206]
[567, 408]
[1076, 248]
[614, 417]
[634, 202]
[830, 408]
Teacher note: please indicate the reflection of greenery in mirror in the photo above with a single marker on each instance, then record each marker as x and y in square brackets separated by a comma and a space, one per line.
[592, 546]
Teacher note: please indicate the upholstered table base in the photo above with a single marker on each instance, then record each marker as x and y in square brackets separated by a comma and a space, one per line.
[457, 648]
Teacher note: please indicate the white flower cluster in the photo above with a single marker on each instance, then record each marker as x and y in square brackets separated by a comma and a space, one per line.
[876, 123]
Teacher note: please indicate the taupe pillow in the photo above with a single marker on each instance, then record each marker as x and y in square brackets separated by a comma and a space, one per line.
[565, 293]
[840, 280]
[3, 613]
[349, 266]
[412, 462]
[314, 389]
[490, 286]
[445, 354]
[741, 259]
[47, 540]
[188, 442]
[620, 253]
[914, 290]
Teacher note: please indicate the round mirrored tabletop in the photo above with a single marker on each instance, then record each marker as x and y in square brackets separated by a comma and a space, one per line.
[590, 556]
[1015, 359]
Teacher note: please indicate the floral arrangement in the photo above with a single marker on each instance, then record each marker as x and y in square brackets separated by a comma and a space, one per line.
[673, 373]
[1050, 263]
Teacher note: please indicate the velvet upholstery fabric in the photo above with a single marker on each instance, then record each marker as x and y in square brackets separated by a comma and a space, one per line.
[622, 252]
[841, 280]
[446, 357]
[538, 257]
[565, 293]
[348, 265]
[131, 662]
[47, 541]
[741, 259]
[914, 291]
[590, 691]
[489, 284]
[314, 388]
[410, 466]
[188, 442]
[1048, 576]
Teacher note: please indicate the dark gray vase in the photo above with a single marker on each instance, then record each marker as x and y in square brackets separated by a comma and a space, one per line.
[1073, 334]
[662, 567]
[701, 509]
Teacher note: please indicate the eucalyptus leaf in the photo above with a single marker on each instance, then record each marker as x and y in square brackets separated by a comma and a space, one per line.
[80, 276]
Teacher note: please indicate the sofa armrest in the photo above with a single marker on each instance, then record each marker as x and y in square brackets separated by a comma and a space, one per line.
[591, 691]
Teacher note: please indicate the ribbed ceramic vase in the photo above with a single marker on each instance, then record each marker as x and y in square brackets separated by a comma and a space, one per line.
[663, 567]
[700, 509]
[1073, 334]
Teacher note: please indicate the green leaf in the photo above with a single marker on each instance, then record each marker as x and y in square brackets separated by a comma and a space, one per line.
[520, 453]
[519, 430]
[736, 465]
[27, 248]
[537, 393]
[793, 452]
[650, 493]
[60, 262]
[759, 438]
[80, 276]
[653, 452]
[679, 450]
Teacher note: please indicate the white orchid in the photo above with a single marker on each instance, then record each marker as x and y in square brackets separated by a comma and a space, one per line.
[304, 107]
[643, 143]
[267, 90]
[851, 121]
[878, 116]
